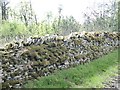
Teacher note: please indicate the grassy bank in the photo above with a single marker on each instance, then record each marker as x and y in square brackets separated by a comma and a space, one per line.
[90, 75]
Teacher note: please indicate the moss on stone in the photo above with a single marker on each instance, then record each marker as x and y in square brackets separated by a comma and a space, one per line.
[54, 52]
[77, 42]
[77, 57]
[5, 85]
[36, 63]
[34, 75]
[45, 62]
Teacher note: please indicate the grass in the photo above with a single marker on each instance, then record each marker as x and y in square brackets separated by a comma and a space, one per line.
[90, 75]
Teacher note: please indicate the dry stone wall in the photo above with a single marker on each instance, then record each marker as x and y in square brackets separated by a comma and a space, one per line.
[41, 56]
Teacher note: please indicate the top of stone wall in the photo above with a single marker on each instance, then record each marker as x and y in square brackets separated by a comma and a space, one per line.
[56, 38]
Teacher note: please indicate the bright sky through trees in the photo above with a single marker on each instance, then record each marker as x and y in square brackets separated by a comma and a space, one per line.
[75, 8]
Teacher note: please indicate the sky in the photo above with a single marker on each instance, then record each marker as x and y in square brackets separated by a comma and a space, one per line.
[76, 8]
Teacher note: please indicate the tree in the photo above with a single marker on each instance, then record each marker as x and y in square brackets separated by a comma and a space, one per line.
[68, 25]
[60, 15]
[4, 9]
[24, 13]
[49, 17]
[102, 18]
[118, 15]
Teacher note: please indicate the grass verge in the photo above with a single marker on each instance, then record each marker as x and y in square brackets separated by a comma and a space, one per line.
[90, 75]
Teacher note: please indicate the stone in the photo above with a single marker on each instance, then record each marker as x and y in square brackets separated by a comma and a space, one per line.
[40, 56]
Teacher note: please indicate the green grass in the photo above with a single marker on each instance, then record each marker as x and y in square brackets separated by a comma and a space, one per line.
[90, 75]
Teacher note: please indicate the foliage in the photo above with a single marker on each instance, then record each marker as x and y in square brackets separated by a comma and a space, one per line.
[12, 29]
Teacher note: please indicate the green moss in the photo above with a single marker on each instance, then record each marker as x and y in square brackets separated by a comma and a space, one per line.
[36, 63]
[77, 42]
[77, 57]
[15, 73]
[75, 50]
[34, 75]
[63, 58]
[52, 56]
[4, 66]
[95, 48]
[11, 82]
[53, 50]
[63, 48]
[71, 51]
[60, 53]
[45, 70]
[5, 85]
[52, 45]
[34, 48]
[53, 60]
[56, 54]
[37, 48]
[45, 63]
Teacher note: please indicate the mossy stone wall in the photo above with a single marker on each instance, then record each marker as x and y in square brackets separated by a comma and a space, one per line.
[41, 56]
